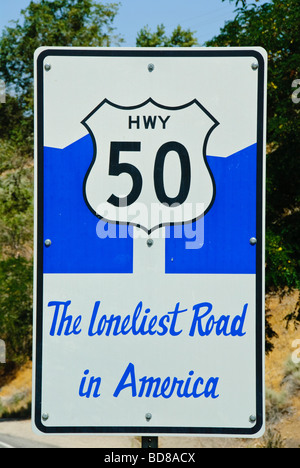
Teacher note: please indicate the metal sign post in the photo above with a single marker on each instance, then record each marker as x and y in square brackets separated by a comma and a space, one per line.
[149, 442]
[149, 254]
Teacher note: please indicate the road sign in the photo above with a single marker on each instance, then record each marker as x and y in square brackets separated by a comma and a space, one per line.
[151, 137]
[149, 271]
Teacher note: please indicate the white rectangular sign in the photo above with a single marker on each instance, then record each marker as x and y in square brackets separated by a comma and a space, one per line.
[149, 272]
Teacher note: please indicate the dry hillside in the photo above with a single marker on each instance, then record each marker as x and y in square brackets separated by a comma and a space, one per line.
[282, 382]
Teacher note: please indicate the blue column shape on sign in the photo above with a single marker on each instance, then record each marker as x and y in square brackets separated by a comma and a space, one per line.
[227, 227]
[72, 228]
[75, 245]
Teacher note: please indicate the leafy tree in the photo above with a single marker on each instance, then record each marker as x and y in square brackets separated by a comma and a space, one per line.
[276, 27]
[16, 202]
[16, 308]
[49, 23]
[44, 23]
[14, 125]
[178, 38]
[237, 2]
[16, 233]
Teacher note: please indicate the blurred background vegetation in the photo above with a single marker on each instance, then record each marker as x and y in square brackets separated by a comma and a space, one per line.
[274, 25]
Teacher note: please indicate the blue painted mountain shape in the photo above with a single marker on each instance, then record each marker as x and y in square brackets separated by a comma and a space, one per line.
[71, 226]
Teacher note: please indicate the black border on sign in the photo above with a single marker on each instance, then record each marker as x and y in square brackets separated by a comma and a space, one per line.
[184, 53]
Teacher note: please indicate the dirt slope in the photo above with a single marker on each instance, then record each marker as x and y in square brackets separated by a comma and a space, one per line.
[284, 432]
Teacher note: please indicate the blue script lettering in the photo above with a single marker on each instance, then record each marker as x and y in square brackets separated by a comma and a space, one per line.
[139, 323]
[94, 383]
[66, 323]
[204, 323]
[168, 387]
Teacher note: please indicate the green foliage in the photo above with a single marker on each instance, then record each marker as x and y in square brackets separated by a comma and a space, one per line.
[53, 23]
[237, 2]
[16, 307]
[15, 126]
[16, 202]
[269, 333]
[272, 439]
[277, 405]
[16, 232]
[50, 23]
[17, 409]
[276, 27]
[178, 38]
[44, 23]
[282, 266]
